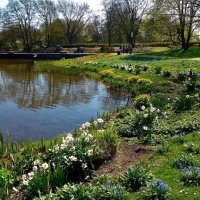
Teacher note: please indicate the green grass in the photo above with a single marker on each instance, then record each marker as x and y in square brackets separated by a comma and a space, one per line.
[162, 168]
[193, 52]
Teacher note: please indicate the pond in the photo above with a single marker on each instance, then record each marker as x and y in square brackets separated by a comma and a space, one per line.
[35, 105]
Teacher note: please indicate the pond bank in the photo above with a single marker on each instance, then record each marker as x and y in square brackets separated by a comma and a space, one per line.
[42, 56]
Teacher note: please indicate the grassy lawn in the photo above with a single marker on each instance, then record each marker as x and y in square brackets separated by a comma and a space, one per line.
[193, 52]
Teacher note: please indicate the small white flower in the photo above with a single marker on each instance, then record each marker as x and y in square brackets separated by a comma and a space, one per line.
[146, 115]
[84, 165]
[31, 174]
[73, 158]
[145, 128]
[24, 177]
[95, 123]
[36, 162]
[100, 121]
[90, 152]
[187, 96]
[63, 146]
[45, 166]
[143, 107]
[87, 124]
[35, 168]
[15, 189]
[153, 109]
[25, 182]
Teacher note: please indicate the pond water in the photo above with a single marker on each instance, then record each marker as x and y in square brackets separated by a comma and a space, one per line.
[35, 104]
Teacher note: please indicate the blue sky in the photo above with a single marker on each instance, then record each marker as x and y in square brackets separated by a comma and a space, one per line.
[94, 4]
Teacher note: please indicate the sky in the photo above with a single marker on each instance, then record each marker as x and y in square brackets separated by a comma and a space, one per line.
[94, 4]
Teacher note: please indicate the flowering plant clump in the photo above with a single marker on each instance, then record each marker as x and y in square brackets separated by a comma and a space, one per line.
[191, 175]
[135, 178]
[132, 69]
[183, 103]
[192, 148]
[38, 167]
[107, 189]
[70, 160]
[184, 161]
[190, 85]
[145, 121]
[155, 190]
[167, 73]
[92, 192]
[74, 156]
[142, 100]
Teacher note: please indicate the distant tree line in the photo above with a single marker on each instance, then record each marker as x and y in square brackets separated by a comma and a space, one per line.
[33, 23]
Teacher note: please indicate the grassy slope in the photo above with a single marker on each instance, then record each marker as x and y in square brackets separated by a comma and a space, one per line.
[162, 168]
[193, 52]
[160, 165]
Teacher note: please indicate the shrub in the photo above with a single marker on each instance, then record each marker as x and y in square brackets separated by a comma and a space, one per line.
[135, 178]
[192, 148]
[183, 103]
[78, 192]
[179, 139]
[192, 75]
[183, 161]
[159, 101]
[108, 191]
[190, 85]
[142, 100]
[181, 76]
[167, 73]
[74, 156]
[158, 70]
[144, 122]
[191, 176]
[157, 190]
[145, 67]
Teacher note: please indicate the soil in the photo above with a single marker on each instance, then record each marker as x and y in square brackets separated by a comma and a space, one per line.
[127, 155]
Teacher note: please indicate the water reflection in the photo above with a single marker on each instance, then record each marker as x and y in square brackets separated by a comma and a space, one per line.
[34, 104]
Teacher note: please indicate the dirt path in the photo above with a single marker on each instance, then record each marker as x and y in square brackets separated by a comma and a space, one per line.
[127, 155]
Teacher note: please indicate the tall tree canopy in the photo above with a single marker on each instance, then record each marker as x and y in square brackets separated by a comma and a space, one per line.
[75, 17]
[21, 13]
[183, 13]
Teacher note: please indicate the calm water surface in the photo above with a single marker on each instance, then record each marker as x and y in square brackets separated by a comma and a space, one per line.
[34, 104]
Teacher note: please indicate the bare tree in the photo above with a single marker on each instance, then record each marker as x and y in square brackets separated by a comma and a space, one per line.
[21, 13]
[75, 17]
[47, 13]
[185, 14]
[110, 23]
[130, 13]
